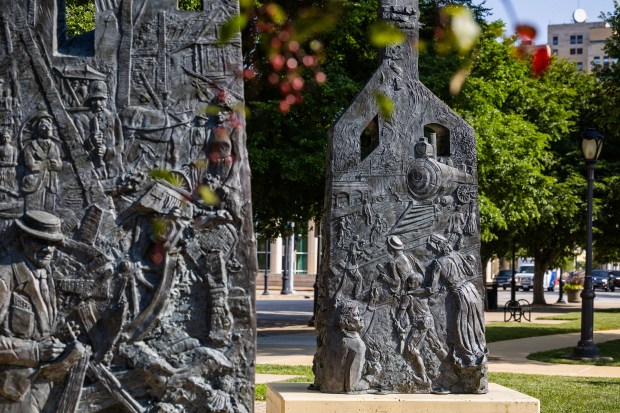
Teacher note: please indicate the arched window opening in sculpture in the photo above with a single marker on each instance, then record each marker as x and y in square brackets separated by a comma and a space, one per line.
[370, 138]
[441, 141]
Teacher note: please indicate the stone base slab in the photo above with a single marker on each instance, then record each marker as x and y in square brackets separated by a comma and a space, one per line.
[296, 398]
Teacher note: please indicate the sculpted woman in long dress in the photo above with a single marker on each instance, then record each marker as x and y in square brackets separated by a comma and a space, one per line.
[464, 304]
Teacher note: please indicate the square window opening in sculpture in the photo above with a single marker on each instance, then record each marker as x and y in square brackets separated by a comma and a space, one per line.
[76, 27]
[441, 141]
[369, 140]
[190, 5]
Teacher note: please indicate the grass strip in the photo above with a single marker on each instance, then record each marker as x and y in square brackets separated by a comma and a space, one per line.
[604, 319]
[304, 374]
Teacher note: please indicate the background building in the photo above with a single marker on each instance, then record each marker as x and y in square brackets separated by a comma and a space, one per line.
[303, 260]
[580, 42]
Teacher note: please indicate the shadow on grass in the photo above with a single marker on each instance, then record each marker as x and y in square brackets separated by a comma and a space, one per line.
[560, 356]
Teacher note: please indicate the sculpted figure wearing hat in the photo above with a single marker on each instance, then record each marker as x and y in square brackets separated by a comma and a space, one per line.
[28, 314]
[400, 268]
[42, 158]
[102, 132]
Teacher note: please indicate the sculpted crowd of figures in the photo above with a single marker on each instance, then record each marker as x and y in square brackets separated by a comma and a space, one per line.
[400, 304]
[126, 279]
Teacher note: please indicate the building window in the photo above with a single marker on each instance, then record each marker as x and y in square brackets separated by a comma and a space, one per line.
[263, 254]
[580, 66]
[596, 60]
[301, 255]
[572, 51]
[555, 40]
[605, 60]
[579, 39]
[555, 51]
[580, 51]
[573, 39]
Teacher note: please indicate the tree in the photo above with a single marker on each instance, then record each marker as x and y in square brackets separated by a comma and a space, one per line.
[604, 114]
[530, 194]
[518, 118]
[287, 152]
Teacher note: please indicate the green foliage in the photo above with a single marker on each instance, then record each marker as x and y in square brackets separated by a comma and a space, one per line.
[530, 175]
[384, 104]
[287, 153]
[604, 114]
[80, 17]
[231, 28]
[531, 187]
[383, 34]
[167, 175]
[190, 5]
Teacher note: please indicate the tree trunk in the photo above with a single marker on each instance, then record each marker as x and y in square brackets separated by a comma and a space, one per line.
[540, 265]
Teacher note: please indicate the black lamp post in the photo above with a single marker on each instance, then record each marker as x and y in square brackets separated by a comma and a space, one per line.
[591, 144]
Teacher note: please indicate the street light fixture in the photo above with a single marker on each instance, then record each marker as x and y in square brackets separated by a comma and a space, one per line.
[591, 144]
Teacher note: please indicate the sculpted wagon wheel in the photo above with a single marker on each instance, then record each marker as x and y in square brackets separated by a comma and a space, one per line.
[465, 193]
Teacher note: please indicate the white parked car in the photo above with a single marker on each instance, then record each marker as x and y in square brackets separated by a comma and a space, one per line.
[524, 278]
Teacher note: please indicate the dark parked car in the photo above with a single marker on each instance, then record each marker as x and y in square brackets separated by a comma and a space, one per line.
[603, 279]
[503, 279]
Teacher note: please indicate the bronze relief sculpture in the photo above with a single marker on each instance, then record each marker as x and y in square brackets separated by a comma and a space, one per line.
[401, 252]
[127, 283]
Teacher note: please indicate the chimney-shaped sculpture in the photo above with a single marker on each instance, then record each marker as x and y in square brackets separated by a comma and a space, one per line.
[400, 293]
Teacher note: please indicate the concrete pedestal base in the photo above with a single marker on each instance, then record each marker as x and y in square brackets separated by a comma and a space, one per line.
[296, 398]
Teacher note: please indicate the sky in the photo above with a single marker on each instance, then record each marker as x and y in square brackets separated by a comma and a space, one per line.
[540, 13]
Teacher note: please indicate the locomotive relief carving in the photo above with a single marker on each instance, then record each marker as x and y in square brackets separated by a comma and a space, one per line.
[400, 304]
[126, 283]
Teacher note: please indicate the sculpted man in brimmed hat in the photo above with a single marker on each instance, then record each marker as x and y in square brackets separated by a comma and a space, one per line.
[102, 132]
[400, 268]
[28, 314]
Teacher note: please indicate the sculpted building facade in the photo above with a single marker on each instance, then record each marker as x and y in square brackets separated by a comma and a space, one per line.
[127, 278]
[400, 305]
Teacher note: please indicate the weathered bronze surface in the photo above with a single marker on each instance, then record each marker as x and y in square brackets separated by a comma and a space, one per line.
[127, 277]
[400, 304]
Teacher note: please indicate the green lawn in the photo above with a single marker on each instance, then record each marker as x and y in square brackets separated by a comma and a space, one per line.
[557, 394]
[304, 372]
[604, 319]
[561, 394]
[608, 349]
